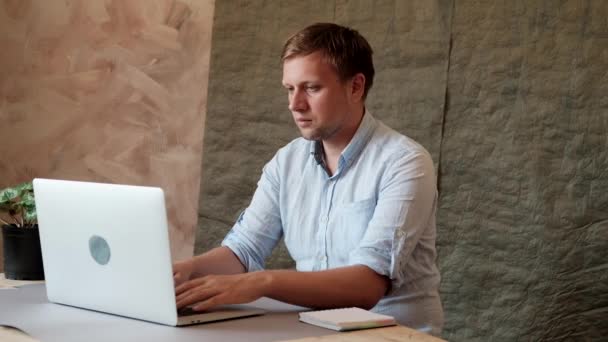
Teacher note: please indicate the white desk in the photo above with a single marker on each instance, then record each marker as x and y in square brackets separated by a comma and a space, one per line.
[28, 309]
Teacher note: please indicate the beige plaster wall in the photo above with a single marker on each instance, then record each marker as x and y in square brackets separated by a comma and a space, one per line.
[111, 91]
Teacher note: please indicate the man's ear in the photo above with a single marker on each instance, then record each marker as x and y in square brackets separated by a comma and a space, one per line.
[358, 87]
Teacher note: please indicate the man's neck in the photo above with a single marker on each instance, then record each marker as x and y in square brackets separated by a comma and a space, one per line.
[333, 147]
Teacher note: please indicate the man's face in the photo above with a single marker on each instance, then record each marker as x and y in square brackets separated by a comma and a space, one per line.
[319, 101]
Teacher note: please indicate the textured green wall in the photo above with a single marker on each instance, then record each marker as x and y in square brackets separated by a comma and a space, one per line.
[510, 99]
[524, 188]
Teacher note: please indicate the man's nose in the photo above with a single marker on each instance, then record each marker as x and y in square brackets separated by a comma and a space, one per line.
[297, 101]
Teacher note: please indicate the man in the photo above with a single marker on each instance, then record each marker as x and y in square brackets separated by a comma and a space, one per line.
[354, 200]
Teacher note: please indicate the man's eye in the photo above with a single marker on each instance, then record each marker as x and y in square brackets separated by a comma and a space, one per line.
[312, 89]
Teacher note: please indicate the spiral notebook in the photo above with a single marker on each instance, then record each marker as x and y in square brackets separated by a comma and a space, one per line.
[346, 319]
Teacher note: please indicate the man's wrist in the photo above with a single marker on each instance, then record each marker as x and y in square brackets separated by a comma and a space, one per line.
[265, 280]
[194, 267]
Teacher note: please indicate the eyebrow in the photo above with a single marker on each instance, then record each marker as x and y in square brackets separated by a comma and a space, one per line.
[305, 83]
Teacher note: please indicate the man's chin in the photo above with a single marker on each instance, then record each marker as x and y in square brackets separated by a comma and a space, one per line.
[310, 135]
[311, 138]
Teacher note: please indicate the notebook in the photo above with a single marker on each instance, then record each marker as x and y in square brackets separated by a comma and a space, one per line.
[346, 319]
[105, 247]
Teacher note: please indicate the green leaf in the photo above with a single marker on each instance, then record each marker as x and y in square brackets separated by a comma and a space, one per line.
[11, 193]
[8, 195]
[19, 200]
[25, 187]
[27, 200]
[30, 216]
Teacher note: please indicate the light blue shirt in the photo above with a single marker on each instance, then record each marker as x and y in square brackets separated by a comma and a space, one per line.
[377, 210]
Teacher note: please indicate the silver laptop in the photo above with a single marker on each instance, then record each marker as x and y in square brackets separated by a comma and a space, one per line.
[105, 247]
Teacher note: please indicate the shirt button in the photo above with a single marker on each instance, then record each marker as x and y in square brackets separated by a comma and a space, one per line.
[323, 219]
[323, 258]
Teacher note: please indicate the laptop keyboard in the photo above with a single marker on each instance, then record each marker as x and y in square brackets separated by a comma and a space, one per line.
[188, 311]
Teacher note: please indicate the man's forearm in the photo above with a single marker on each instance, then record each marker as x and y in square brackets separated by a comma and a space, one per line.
[220, 260]
[342, 287]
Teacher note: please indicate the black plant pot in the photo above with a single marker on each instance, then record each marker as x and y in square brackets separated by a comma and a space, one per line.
[22, 254]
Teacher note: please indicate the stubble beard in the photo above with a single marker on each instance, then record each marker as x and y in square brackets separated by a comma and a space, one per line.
[319, 134]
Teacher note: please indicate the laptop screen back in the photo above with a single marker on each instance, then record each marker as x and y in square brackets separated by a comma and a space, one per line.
[105, 247]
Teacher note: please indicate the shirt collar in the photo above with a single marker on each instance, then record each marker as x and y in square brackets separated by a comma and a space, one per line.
[316, 150]
[359, 140]
[355, 146]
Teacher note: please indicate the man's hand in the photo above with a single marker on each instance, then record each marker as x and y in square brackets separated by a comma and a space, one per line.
[219, 260]
[214, 290]
[347, 286]
[182, 271]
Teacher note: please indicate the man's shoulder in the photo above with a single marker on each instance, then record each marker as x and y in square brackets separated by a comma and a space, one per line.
[389, 142]
[398, 152]
[297, 148]
[296, 145]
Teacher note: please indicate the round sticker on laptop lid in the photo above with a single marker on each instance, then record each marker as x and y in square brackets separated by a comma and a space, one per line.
[100, 250]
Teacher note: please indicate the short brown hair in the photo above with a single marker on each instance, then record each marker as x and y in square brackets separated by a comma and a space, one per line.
[344, 48]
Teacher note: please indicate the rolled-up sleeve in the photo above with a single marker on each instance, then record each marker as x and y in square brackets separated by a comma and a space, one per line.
[404, 210]
[258, 228]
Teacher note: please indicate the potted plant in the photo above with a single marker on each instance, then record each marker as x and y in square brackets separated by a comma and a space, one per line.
[22, 254]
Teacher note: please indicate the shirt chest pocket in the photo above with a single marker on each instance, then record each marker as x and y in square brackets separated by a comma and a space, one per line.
[350, 223]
